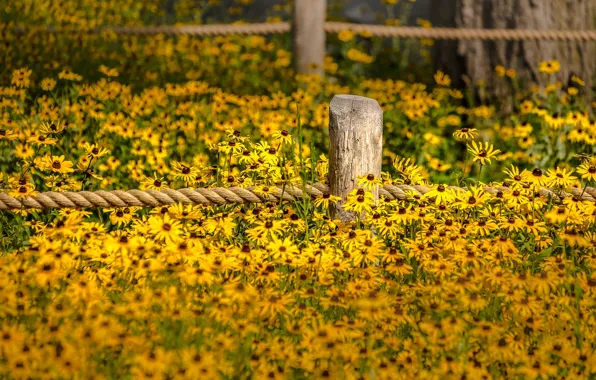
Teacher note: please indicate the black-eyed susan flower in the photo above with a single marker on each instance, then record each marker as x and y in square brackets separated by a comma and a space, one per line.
[22, 77]
[483, 152]
[442, 79]
[560, 177]
[48, 84]
[325, 200]
[466, 133]
[369, 182]
[184, 172]
[549, 67]
[441, 194]
[535, 177]
[52, 127]
[359, 201]
[56, 164]
[154, 183]
[165, 228]
[587, 170]
[95, 151]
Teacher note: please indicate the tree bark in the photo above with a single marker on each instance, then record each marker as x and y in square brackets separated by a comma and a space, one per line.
[481, 57]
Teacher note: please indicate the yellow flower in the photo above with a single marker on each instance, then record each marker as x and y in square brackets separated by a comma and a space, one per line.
[442, 79]
[165, 228]
[66, 74]
[359, 201]
[24, 190]
[359, 56]
[184, 172]
[57, 164]
[588, 169]
[94, 151]
[466, 133]
[326, 199]
[474, 197]
[369, 182]
[560, 177]
[483, 152]
[265, 230]
[21, 77]
[549, 67]
[48, 84]
[54, 127]
[426, 24]
[153, 183]
[500, 71]
[441, 193]
[345, 35]
[108, 72]
[578, 80]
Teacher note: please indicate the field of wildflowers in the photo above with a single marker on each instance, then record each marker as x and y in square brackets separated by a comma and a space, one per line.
[456, 284]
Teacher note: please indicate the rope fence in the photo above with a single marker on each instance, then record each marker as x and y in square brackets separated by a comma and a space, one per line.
[335, 27]
[232, 195]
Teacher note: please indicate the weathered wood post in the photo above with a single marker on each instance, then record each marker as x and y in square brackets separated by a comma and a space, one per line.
[309, 36]
[355, 146]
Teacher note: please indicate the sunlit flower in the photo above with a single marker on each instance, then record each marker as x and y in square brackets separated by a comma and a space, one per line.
[22, 77]
[483, 152]
[549, 67]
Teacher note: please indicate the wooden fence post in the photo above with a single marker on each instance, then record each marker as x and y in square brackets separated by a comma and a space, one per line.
[309, 36]
[355, 146]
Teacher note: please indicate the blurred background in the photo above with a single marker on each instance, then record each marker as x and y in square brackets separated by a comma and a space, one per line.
[468, 62]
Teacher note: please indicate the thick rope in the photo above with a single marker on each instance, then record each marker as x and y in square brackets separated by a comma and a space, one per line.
[207, 30]
[463, 33]
[231, 195]
[336, 27]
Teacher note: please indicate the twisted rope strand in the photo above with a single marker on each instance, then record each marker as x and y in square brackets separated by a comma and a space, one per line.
[336, 27]
[463, 33]
[207, 30]
[230, 195]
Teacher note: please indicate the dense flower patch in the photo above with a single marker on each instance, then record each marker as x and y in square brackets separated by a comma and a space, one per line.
[457, 284]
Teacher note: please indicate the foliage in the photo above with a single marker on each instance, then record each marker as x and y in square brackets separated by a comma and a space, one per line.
[454, 283]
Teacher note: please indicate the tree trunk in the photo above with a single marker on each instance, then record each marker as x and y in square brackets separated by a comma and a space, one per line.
[481, 57]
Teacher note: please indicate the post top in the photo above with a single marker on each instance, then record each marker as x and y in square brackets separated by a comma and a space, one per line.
[347, 97]
[344, 103]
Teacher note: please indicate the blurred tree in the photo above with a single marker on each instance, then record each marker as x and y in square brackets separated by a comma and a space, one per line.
[478, 59]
